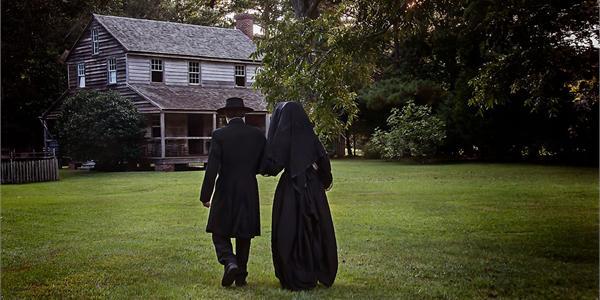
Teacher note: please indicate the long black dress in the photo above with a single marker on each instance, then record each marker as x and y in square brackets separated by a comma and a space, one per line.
[303, 239]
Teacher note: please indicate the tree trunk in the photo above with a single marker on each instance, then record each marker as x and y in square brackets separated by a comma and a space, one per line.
[348, 144]
[306, 8]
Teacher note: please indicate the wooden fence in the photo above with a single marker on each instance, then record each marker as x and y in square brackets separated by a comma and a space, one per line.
[29, 169]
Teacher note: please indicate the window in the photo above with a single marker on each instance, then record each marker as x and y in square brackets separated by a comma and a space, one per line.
[112, 70]
[194, 72]
[240, 75]
[156, 68]
[95, 41]
[154, 126]
[81, 75]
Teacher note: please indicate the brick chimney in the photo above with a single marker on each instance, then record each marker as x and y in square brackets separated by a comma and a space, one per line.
[245, 23]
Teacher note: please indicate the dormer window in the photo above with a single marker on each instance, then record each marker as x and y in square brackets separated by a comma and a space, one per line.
[111, 65]
[156, 68]
[240, 75]
[194, 72]
[81, 75]
[95, 41]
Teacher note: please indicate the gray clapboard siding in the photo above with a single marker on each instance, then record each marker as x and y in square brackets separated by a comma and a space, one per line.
[96, 72]
[72, 75]
[250, 73]
[142, 105]
[138, 69]
[176, 71]
[217, 74]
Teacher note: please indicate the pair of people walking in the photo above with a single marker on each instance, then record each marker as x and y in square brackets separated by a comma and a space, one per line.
[303, 241]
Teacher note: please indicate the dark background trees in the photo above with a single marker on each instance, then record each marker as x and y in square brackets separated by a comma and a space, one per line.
[510, 79]
[502, 74]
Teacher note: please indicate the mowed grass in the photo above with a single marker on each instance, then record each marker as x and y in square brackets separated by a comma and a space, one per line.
[403, 231]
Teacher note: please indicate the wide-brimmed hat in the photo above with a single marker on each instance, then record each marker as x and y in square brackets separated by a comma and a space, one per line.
[234, 103]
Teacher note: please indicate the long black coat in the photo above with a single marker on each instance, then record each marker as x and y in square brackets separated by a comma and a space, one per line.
[303, 237]
[235, 154]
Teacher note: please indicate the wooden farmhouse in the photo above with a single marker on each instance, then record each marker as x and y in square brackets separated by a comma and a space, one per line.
[177, 75]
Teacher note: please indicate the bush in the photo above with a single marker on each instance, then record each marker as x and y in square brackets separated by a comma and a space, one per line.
[371, 151]
[414, 132]
[104, 127]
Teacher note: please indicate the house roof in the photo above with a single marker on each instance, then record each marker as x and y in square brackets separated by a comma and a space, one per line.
[159, 37]
[169, 97]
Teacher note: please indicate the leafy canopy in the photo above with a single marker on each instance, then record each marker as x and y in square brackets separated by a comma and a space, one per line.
[310, 61]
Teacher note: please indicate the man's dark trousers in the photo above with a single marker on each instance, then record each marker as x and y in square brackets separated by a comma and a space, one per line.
[226, 256]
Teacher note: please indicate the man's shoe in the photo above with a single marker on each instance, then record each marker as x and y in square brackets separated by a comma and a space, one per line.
[231, 271]
[240, 281]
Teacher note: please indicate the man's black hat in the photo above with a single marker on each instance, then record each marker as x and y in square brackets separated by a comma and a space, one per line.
[235, 104]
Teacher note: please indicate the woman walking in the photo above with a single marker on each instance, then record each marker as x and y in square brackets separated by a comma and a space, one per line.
[303, 239]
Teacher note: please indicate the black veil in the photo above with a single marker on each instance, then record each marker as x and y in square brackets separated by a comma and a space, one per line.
[292, 142]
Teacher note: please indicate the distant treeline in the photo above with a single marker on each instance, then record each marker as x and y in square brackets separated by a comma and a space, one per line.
[510, 80]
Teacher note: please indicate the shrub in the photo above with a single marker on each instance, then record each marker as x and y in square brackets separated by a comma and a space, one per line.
[414, 132]
[101, 126]
[371, 150]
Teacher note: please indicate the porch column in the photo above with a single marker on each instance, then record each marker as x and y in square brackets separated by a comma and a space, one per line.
[45, 134]
[267, 124]
[214, 121]
[162, 134]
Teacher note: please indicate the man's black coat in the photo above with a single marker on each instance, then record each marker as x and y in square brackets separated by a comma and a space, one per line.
[235, 155]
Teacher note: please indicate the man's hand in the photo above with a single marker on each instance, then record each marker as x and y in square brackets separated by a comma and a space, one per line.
[206, 204]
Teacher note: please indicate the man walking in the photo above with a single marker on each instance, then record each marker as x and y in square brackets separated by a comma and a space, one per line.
[235, 154]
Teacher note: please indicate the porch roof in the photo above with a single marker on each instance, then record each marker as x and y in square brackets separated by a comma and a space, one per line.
[169, 97]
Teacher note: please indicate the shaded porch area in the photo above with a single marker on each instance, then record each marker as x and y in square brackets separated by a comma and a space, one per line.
[183, 137]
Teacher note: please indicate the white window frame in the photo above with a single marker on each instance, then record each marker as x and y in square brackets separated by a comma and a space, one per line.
[111, 67]
[95, 41]
[81, 75]
[156, 65]
[196, 72]
[240, 71]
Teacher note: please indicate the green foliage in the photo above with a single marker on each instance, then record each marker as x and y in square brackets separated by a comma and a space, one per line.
[413, 132]
[532, 50]
[371, 150]
[503, 72]
[104, 127]
[395, 92]
[311, 61]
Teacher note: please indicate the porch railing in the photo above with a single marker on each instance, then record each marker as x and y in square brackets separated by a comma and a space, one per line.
[179, 147]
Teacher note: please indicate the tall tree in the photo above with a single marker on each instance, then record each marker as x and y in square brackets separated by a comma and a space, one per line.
[322, 55]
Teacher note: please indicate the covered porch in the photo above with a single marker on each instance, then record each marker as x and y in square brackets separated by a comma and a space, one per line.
[181, 119]
[183, 137]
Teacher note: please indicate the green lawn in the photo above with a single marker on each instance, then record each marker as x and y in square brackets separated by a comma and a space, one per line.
[404, 231]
